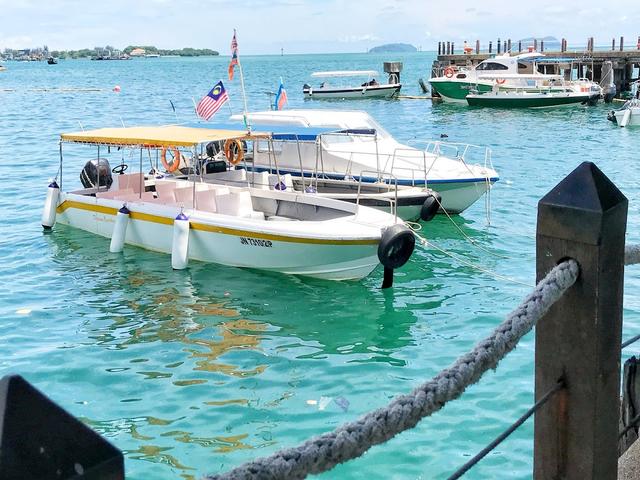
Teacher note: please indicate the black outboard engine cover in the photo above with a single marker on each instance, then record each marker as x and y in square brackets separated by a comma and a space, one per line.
[98, 167]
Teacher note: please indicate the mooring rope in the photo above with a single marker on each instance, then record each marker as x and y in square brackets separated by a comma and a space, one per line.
[352, 439]
[632, 254]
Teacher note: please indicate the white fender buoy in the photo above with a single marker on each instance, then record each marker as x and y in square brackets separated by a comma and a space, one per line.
[180, 247]
[50, 205]
[119, 230]
[625, 117]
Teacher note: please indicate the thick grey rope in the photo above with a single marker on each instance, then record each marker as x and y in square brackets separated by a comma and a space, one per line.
[632, 254]
[353, 439]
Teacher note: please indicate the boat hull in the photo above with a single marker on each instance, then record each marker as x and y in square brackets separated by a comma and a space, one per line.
[457, 194]
[517, 100]
[385, 91]
[455, 90]
[225, 242]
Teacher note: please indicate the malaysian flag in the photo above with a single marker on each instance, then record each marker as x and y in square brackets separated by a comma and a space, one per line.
[212, 101]
[234, 55]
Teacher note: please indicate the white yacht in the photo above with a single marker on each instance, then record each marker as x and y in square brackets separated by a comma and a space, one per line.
[359, 148]
[330, 88]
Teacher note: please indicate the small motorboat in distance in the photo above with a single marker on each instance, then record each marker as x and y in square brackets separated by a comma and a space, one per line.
[369, 88]
[52, 61]
[240, 226]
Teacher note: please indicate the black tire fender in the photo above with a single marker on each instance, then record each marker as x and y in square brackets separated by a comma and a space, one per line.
[430, 207]
[396, 246]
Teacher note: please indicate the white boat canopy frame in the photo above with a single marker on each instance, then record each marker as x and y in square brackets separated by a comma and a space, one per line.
[345, 73]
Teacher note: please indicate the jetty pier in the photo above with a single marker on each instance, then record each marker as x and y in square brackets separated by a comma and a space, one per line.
[582, 430]
[619, 57]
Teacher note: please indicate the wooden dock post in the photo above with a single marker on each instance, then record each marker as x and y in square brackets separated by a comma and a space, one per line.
[489, 46]
[563, 45]
[519, 46]
[452, 49]
[613, 44]
[439, 53]
[542, 45]
[477, 46]
[584, 217]
[621, 44]
[509, 46]
[535, 44]
[498, 46]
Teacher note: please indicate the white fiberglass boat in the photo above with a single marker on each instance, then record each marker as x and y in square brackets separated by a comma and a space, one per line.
[237, 226]
[369, 88]
[506, 71]
[358, 148]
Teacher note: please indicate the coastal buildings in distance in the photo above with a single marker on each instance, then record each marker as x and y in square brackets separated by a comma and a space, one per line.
[101, 53]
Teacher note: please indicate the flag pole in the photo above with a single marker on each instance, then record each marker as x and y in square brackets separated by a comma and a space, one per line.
[244, 93]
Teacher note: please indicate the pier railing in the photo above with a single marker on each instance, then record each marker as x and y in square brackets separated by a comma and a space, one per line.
[576, 308]
[507, 45]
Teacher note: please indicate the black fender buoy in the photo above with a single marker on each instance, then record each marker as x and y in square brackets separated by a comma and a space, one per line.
[395, 248]
[430, 207]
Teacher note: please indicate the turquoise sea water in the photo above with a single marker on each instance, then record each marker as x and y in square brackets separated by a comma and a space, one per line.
[196, 371]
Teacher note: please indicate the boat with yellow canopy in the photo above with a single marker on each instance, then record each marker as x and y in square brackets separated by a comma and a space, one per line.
[192, 219]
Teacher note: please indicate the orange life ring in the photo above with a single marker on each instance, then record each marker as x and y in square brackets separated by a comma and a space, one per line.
[173, 166]
[233, 151]
[448, 72]
[500, 81]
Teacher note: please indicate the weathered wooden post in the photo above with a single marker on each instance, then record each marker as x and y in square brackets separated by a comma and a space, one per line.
[542, 45]
[563, 45]
[519, 46]
[508, 45]
[439, 48]
[621, 44]
[613, 44]
[535, 44]
[498, 46]
[504, 46]
[452, 49]
[584, 217]
[489, 46]
[477, 46]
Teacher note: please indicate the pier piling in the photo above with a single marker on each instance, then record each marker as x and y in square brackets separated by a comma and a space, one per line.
[576, 435]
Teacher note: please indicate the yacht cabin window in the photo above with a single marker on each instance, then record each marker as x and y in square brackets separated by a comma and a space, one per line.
[491, 66]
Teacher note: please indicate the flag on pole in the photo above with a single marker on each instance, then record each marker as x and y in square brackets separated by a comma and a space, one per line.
[281, 97]
[234, 54]
[212, 101]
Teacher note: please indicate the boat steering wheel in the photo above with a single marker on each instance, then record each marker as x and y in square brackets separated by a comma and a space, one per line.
[120, 169]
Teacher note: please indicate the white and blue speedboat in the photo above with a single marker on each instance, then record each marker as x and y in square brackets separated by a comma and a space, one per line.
[352, 145]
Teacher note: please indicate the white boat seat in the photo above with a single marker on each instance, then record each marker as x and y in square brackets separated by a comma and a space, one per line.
[165, 191]
[237, 204]
[114, 193]
[184, 196]
[130, 180]
[206, 201]
[260, 180]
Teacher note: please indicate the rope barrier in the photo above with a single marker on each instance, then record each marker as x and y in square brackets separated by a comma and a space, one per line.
[632, 254]
[352, 439]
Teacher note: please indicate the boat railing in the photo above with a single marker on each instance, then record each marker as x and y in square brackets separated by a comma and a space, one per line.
[387, 179]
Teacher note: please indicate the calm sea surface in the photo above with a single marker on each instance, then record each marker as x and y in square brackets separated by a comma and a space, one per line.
[197, 371]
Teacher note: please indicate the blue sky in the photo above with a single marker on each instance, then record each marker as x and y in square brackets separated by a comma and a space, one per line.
[306, 26]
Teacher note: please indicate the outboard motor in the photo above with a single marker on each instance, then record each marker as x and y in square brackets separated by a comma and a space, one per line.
[94, 169]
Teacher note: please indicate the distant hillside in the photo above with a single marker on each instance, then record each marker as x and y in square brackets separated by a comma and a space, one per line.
[549, 42]
[394, 48]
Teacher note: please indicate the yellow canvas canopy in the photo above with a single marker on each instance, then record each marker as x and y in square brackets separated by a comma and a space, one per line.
[157, 136]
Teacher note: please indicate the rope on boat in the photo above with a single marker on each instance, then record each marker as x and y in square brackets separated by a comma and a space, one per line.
[352, 439]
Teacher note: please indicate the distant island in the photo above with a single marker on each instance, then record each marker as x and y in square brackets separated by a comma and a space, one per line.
[103, 53]
[394, 48]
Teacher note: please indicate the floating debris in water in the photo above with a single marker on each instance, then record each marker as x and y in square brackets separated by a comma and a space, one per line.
[343, 403]
[23, 311]
[324, 401]
[312, 402]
